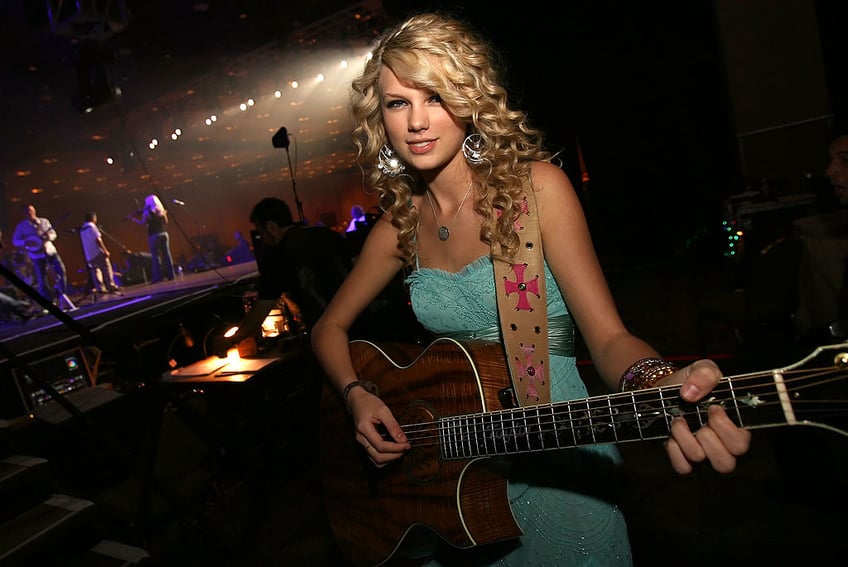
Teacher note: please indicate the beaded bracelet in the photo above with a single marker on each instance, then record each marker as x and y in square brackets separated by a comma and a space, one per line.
[369, 387]
[645, 373]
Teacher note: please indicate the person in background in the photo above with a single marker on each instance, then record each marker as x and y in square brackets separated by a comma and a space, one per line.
[97, 257]
[241, 252]
[37, 235]
[302, 266]
[14, 307]
[155, 217]
[357, 215]
[453, 163]
[822, 290]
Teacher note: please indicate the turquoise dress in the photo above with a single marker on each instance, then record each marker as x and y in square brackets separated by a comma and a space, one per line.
[561, 499]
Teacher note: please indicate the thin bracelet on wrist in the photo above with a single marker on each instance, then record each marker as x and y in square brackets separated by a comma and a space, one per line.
[369, 387]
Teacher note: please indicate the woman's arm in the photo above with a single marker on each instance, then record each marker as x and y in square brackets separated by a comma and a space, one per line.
[570, 254]
[376, 265]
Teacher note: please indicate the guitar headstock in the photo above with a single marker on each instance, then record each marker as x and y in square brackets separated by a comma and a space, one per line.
[837, 353]
[812, 391]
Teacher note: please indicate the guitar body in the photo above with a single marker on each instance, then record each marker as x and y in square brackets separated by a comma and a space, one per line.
[463, 501]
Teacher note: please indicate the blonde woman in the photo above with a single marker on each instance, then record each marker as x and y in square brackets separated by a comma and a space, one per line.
[452, 161]
[155, 216]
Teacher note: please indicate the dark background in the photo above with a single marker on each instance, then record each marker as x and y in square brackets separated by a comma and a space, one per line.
[641, 87]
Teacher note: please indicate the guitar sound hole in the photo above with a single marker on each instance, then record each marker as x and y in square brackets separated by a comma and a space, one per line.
[422, 462]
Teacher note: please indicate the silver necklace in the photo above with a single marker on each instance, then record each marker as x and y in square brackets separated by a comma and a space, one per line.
[444, 231]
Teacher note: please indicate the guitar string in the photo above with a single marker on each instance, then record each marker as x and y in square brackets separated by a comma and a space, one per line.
[723, 388]
[427, 431]
[580, 410]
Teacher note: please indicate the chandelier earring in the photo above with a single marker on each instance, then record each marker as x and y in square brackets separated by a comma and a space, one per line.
[472, 149]
[388, 162]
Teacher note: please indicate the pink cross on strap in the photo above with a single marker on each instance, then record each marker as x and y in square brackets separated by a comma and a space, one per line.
[520, 285]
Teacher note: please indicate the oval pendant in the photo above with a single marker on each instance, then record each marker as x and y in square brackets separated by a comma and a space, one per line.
[444, 233]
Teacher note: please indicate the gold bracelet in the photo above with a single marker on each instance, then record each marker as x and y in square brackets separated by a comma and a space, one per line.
[645, 373]
[369, 387]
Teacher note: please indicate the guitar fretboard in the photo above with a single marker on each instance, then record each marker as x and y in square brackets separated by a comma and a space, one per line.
[615, 418]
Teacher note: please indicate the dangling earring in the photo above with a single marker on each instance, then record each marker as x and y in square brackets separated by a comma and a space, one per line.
[472, 149]
[388, 163]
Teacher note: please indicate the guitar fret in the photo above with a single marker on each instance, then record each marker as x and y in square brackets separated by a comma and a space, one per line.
[613, 425]
[465, 437]
[444, 439]
[504, 436]
[473, 428]
[448, 438]
[735, 402]
[477, 427]
[521, 433]
[699, 408]
[571, 426]
[591, 425]
[637, 418]
[490, 436]
[666, 414]
[554, 432]
[538, 428]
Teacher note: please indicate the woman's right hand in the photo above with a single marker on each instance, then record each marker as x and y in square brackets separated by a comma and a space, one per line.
[377, 430]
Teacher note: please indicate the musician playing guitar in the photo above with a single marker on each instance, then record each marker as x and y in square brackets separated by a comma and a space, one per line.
[461, 175]
[36, 235]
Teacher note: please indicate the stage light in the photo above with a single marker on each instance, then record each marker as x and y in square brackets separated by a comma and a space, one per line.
[274, 324]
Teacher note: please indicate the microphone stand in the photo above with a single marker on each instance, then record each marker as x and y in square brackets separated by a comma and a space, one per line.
[294, 188]
[196, 245]
[112, 238]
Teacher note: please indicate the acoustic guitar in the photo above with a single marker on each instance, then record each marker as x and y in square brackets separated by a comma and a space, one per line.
[449, 398]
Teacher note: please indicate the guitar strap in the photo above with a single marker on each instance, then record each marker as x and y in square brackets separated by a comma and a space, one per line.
[522, 309]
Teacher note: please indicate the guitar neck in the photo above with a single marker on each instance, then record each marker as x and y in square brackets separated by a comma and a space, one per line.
[752, 401]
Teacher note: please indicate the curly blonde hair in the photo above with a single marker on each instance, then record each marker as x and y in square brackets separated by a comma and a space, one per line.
[443, 55]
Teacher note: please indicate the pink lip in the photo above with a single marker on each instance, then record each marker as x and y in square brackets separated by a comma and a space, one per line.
[419, 149]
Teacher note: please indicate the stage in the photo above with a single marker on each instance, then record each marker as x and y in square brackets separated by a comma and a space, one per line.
[134, 336]
[99, 313]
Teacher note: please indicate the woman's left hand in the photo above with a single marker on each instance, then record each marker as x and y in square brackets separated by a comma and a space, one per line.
[720, 441]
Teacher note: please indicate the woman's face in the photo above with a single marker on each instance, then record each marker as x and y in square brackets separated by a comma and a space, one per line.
[420, 129]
